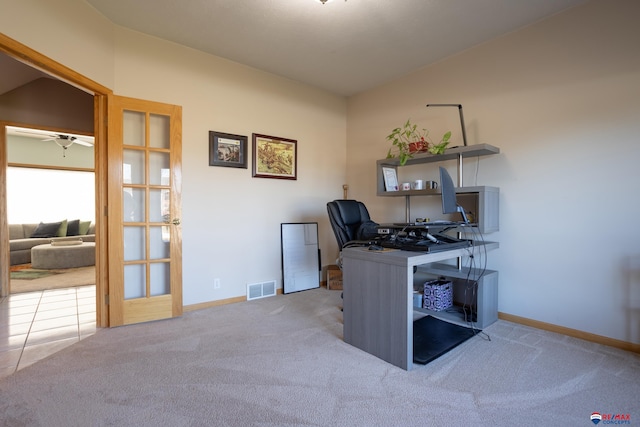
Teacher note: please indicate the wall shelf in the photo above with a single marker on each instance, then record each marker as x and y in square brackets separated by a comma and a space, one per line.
[482, 201]
[450, 154]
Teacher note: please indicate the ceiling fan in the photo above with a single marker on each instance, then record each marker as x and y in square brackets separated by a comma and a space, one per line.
[64, 140]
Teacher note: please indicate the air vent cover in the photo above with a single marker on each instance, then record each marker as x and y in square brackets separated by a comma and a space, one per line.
[261, 290]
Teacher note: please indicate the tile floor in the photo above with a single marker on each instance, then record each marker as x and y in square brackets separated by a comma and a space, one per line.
[34, 325]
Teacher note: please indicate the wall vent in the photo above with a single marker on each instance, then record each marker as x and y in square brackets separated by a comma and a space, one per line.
[261, 290]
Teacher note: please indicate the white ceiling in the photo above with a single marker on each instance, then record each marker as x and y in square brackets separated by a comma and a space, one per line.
[345, 47]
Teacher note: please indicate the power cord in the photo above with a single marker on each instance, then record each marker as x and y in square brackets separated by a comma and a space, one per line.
[471, 283]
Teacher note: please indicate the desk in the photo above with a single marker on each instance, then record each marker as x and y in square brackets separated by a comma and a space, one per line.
[378, 299]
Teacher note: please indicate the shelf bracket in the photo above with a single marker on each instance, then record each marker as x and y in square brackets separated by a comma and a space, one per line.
[407, 208]
[460, 183]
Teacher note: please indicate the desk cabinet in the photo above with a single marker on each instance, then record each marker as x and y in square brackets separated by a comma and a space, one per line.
[378, 308]
[479, 295]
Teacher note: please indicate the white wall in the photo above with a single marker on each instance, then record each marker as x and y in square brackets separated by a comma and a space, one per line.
[561, 99]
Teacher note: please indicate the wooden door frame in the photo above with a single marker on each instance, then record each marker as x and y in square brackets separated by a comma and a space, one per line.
[100, 93]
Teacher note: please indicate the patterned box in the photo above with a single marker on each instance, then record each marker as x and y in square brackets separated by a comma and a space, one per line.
[438, 295]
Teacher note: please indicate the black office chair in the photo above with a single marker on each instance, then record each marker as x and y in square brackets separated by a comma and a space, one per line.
[351, 223]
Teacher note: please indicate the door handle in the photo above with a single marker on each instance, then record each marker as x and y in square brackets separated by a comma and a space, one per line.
[175, 221]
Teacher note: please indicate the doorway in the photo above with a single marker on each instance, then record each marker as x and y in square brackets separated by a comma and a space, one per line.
[144, 282]
[49, 175]
[50, 180]
[38, 63]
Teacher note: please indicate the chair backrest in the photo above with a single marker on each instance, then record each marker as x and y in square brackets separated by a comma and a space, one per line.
[346, 218]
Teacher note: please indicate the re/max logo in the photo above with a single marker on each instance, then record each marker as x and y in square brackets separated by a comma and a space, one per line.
[610, 418]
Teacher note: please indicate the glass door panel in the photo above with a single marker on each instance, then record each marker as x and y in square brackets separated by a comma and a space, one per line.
[158, 247]
[134, 281]
[158, 210]
[133, 167]
[133, 204]
[134, 243]
[134, 128]
[160, 279]
[159, 131]
[159, 171]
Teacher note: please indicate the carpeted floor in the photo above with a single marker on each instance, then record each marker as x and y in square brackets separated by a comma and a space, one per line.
[281, 361]
[26, 279]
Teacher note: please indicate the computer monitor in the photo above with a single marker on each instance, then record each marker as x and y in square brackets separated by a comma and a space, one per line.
[449, 200]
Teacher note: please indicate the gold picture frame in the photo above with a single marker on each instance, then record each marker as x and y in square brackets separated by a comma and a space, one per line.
[274, 157]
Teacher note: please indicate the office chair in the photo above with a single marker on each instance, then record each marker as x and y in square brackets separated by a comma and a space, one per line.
[351, 223]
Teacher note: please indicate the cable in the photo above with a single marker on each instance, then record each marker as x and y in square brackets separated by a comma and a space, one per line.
[471, 283]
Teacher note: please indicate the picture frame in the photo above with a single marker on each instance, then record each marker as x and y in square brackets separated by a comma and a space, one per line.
[274, 157]
[227, 150]
[390, 179]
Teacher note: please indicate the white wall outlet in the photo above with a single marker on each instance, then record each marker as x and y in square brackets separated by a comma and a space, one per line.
[216, 283]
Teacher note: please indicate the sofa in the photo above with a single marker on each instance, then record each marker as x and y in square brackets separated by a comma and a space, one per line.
[23, 237]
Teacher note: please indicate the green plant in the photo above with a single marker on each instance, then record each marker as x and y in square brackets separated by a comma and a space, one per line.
[408, 139]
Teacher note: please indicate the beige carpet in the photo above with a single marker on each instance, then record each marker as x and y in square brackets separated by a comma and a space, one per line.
[281, 361]
[63, 278]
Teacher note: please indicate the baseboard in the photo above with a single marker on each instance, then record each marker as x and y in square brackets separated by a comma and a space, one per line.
[575, 333]
[216, 303]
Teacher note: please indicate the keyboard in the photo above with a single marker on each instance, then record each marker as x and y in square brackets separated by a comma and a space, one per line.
[445, 243]
[428, 224]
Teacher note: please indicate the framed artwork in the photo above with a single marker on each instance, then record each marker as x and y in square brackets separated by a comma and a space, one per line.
[274, 157]
[227, 150]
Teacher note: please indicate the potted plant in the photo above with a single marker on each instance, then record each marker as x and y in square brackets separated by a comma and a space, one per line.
[408, 140]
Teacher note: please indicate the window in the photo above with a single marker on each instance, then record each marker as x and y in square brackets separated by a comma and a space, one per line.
[48, 195]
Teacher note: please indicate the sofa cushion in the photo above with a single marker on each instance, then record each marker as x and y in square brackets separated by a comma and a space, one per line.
[24, 244]
[73, 227]
[84, 227]
[49, 229]
[62, 230]
[16, 232]
[28, 229]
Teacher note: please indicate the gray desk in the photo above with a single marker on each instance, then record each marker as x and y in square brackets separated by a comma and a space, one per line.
[378, 299]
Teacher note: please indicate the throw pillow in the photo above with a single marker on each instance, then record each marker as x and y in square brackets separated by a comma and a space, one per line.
[46, 230]
[62, 231]
[73, 227]
[84, 227]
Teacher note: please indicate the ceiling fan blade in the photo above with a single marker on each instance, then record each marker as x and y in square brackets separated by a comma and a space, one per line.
[35, 132]
[83, 142]
[44, 135]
